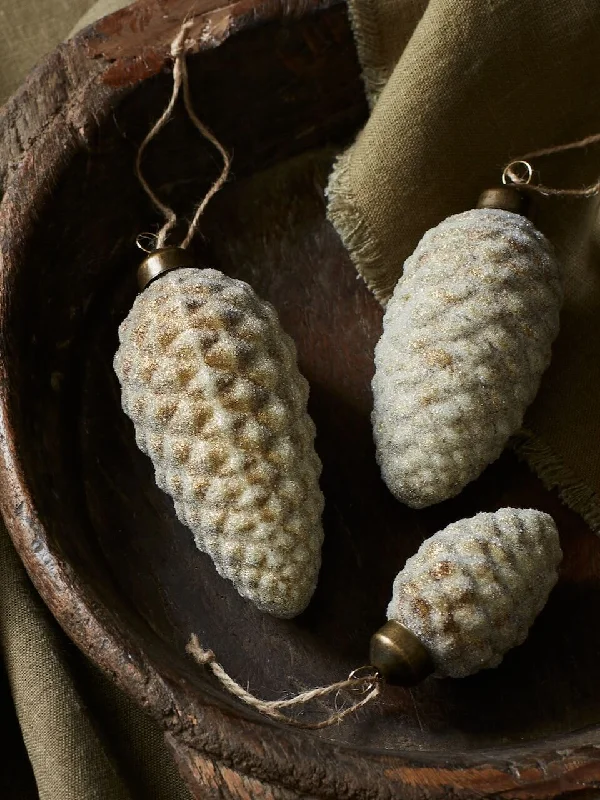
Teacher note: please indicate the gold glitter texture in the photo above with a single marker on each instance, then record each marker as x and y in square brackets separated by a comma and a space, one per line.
[211, 383]
[466, 338]
[473, 590]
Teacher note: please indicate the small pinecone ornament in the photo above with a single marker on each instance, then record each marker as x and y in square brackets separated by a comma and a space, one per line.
[470, 593]
[466, 338]
[211, 383]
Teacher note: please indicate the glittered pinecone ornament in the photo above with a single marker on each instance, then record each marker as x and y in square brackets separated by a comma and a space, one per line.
[466, 337]
[211, 383]
[469, 595]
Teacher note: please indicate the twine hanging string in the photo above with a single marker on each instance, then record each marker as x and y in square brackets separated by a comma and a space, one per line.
[520, 172]
[366, 681]
[181, 84]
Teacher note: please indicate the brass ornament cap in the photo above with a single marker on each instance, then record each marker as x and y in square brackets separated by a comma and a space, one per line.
[161, 261]
[473, 590]
[399, 655]
[506, 198]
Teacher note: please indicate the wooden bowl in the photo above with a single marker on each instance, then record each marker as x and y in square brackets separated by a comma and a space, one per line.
[280, 85]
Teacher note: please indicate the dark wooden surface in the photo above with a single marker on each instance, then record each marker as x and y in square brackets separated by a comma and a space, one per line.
[280, 85]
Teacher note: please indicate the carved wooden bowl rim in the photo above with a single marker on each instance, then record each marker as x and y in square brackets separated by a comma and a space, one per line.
[292, 760]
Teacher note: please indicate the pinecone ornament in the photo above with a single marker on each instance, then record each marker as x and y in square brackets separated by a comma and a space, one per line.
[466, 337]
[211, 383]
[473, 590]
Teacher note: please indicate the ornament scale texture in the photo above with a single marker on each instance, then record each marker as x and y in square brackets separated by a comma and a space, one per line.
[466, 338]
[472, 591]
[211, 383]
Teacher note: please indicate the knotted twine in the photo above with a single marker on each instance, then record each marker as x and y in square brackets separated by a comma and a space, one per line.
[365, 681]
[511, 174]
[181, 83]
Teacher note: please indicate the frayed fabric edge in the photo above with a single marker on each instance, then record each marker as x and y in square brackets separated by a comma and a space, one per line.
[364, 20]
[554, 474]
[354, 231]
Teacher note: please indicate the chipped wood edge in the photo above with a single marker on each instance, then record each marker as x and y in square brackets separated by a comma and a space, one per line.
[244, 754]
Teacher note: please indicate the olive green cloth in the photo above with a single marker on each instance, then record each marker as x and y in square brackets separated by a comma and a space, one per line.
[68, 733]
[78, 737]
[458, 88]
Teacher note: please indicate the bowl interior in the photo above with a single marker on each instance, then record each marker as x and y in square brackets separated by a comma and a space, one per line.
[283, 98]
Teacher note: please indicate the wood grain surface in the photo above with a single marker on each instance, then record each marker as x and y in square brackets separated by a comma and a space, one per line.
[279, 84]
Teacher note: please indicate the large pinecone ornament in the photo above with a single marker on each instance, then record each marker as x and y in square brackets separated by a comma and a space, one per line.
[473, 590]
[466, 337]
[211, 383]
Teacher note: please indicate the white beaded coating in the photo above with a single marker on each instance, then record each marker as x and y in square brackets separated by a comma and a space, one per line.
[466, 337]
[211, 383]
[473, 590]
